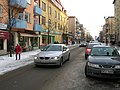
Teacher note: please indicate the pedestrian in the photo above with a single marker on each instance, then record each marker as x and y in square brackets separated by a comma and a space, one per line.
[18, 50]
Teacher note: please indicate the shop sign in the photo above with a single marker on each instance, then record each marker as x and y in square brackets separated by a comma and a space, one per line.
[4, 34]
[3, 26]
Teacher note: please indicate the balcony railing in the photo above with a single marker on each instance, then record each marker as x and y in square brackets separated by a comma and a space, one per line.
[17, 23]
[18, 3]
[37, 10]
[37, 27]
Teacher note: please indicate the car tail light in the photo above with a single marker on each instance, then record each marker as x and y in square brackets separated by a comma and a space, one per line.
[88, 50]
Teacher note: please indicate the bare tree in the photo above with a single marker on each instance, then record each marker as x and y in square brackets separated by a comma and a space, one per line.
[10, 13]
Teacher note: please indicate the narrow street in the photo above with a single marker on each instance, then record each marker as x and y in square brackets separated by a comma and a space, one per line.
[68, 77]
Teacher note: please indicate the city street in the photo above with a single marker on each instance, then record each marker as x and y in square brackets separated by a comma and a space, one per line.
[68, 77]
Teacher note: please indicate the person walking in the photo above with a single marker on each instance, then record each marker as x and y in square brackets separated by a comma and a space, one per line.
[18, 50]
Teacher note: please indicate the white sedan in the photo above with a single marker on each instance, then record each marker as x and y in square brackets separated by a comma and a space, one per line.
[52, 54]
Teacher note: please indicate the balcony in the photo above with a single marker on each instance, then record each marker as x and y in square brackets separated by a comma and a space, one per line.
[18, 3]
[17, 23]
[37, 27]
[37, 10]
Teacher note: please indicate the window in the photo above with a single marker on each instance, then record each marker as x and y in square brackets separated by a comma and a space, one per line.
[59, 26]
[43, 6]
[49, 22]
[58, 16]
[61, 17]
[43, 20]
[27, 17]
[55, 14]
[50, 10]
[55, 25]
[20, 16]
[11, 13]
[0, 10]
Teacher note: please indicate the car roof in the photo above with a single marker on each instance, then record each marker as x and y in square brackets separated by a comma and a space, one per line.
[101, 46]
[58, 44]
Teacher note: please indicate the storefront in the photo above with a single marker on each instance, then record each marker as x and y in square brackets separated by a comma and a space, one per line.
[4, 36]
[29, 41]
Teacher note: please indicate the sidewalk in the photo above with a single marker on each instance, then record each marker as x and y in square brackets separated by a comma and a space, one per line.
[9, 63]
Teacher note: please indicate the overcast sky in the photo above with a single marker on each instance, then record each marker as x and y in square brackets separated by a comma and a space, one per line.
[90, 13]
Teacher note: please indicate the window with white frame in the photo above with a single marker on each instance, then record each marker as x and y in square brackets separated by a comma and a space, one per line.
[0, 10]
[27, 17]
[11, 13]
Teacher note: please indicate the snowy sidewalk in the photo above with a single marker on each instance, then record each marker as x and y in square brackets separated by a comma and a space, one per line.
[10, 63]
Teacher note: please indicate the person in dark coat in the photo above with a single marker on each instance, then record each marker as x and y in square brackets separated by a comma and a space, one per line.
[18, 50]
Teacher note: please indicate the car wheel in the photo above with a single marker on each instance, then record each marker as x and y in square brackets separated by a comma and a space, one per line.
[86, 74]
[86, 56]
[61, 62]
[68, 58]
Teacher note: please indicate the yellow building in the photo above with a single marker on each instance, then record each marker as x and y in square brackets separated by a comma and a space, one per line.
[54, 21]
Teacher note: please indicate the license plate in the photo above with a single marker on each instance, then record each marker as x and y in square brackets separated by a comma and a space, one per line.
[107, 71]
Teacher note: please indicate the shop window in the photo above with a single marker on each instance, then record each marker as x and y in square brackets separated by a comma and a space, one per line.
[1, 44]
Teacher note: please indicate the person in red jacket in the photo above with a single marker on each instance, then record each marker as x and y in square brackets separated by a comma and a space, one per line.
[18, 50]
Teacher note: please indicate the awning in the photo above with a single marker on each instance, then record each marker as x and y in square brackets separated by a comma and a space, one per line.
[29, 35]
[4, 34]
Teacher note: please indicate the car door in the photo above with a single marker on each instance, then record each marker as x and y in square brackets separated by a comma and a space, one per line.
[65, 53]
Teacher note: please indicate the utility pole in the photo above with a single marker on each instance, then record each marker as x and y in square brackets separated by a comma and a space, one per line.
[9, 28]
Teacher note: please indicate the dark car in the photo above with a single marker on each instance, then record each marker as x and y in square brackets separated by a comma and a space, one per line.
[104, 62]
[89, 47]
[83, 44]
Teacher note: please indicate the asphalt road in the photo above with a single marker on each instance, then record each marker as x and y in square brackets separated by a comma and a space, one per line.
[68, 77]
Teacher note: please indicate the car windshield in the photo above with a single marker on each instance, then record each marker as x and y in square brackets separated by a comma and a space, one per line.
[104, 51]
[52, 48]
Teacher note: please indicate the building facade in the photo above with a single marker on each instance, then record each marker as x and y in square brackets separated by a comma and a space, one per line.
[117, 19]
[31, 23]
[74, 28]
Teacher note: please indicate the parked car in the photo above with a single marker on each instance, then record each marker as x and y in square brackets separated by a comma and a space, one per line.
[103, 61]
[89, 47]
[53, 54]
[83, 44]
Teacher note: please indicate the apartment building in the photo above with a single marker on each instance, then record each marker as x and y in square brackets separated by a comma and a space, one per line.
[74, 28]
[31, 23]
[117, 19]
[54, 21]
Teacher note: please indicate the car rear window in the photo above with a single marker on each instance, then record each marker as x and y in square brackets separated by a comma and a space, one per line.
[91, 45]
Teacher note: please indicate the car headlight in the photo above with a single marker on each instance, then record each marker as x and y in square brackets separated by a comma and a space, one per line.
[55, 58]
[35, 57]
[117, 66]
[93, 65]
